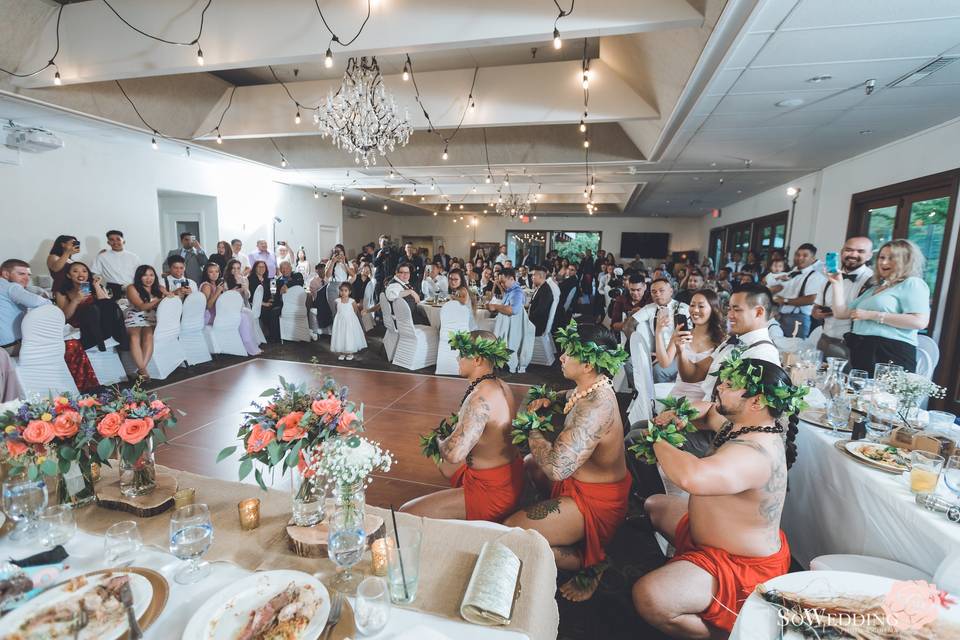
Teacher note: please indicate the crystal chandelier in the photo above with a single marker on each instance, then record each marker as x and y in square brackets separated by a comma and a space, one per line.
[361, 118]
[513, 206]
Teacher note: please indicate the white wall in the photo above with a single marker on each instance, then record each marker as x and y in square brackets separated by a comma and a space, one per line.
[94, 184]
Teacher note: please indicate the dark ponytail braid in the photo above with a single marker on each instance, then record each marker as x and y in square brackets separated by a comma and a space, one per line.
[790, 444]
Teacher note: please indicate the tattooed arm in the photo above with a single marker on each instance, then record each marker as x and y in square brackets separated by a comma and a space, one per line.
[736, 467]
[473, 417]
[584, 426]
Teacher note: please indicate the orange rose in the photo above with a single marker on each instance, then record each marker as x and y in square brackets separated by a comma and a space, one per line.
[133, 431]
[329, 406]
[66, 424]
[291, 426]
[110, 424]
[38, 432]
[163, 411]
[302, 467]
[15, 448]
[88, 401]
[60, 404]
[345, 421]
[259, 438]
[270, 410]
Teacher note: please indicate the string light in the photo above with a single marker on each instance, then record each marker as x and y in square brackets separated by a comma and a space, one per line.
[316, 194]
[406, 71]
[283, 162]
[586, 79]
[489, 180]
[328, 58]
[583, 127]
[586, 143]
[473, 105]
[153, 141]
[445, 154]
[342, 197]
[56, 78]
[296, 118]
[506, 180]
[461, 206]
[434, 213]
[384, 207]
[199, 56]
[219, 137]
[557, 42]
[364, 198]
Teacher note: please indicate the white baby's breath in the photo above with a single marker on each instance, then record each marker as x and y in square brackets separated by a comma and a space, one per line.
[348, 460]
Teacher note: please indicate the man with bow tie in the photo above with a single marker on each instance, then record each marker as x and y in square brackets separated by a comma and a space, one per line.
[400, 289]
[856, 276]
[799, 292]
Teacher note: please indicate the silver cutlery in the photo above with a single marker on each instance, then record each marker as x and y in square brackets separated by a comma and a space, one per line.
[82, 621]
[336, 610]
[126, 599]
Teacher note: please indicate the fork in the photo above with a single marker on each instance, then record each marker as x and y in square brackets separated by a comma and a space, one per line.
[126, 599]
[82, 621]
[336, 610]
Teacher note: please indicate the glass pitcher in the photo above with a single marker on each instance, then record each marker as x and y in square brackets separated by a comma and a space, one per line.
[834, 380]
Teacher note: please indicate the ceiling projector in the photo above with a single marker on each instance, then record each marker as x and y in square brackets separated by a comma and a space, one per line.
[32, 140]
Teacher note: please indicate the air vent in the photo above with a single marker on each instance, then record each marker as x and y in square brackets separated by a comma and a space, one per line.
[923, 72]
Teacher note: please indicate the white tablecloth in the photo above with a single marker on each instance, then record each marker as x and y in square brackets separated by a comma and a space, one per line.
[481, 317]
[837, 505]
[86, 554]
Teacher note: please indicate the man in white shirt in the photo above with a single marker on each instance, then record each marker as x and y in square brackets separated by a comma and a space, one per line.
[399, 289]
[116, 265]
[176, 281]
[856, 277]
[799, 292]
[240, 256]
[428, 287]
[736, 262]
[15, 301]
[646, 323]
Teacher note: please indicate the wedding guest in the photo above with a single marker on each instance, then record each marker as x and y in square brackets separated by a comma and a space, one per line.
[458, 289]
[116, 266]
[400, 289]
[647, 320]
[347, 338]
[15, 301]
[284, 254]
[87, 306]
[269, 313]
[776, 276]
[889, 315]
[486, 282]
[428, 286]
[416, 264]
[385, 263]
[262, 254]
[856, 279]
[542, 300]
[193, 256]
[691, 285]
[440, 281]
[707, 334]
[502, 255]
[223, 255]
[569, 292]
[212, 286]
[235, 281]
[238, 254]
[360, 284]
[799, 292]
[627, 304]
[176, 280]
[144, 296]
[735, 265]
[442, 258]
[512, 295]
[338, 268]
[286, 279]
[61, 254]
[302, 265]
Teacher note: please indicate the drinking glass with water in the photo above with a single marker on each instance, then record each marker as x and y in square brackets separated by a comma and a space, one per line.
[838, 412]
[345, 547]
[191, 534]
[23, 499]
[403, 566]
[121, 543]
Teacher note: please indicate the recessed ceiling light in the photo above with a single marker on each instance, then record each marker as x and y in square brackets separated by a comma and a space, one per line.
[695, 178]
[790, 102]
[865, 132]
[818, 79]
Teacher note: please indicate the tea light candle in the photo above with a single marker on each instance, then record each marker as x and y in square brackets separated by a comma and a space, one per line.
[184, 497]
[249, 513]
[378, 552]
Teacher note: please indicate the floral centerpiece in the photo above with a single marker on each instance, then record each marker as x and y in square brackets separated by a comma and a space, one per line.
[910, 389]
[53, 437]
[130, 423]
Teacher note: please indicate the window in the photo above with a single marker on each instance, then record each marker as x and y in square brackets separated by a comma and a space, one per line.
[521, 243]
[769, 233]
[760, 235]
[572, 244]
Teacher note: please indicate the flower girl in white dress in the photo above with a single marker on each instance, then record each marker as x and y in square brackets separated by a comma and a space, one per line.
[348, 337]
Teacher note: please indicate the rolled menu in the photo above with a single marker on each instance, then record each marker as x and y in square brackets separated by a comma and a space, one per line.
[493, 586]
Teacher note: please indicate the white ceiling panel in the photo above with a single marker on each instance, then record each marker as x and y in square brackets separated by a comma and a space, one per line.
[813, 101]
[745, 50]
[773, 117]
[770, 14]
[950, 74]
[916, 96]
[843, 74]
[824, 13]
[893, 118]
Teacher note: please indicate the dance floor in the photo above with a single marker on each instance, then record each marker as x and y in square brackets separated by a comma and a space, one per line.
[398, 407]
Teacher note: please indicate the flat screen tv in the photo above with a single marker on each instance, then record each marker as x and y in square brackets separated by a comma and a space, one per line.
[646, 245]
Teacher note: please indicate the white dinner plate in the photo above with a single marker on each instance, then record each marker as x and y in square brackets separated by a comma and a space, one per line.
[225, 614]
[854, 449]
[142, 595]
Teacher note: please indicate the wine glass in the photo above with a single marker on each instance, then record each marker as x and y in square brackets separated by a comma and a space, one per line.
[57, 525]
[191, 534]
[121, 543]
[23, 499]
[951, 474]
[857, 380]
[345, 547]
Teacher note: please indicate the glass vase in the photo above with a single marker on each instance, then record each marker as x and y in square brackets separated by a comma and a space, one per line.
[908, 406]
[347, 534]
[75, 487]
[308, 496]
[138, 478]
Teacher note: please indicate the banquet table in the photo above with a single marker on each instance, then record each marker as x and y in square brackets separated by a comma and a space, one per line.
[449, 550]
[481, 317]
[837, 505]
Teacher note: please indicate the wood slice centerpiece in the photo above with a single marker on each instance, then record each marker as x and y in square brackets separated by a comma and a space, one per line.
[145, 506]
[311, 542]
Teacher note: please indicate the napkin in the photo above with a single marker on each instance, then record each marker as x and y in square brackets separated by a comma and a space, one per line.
[52, 556]
[490, 593]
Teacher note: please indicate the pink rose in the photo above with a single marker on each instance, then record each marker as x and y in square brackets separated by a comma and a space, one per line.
[911, 604]
[259, 438]
[329, 406]
[162, 410]
[291, 426]
[109, 425]
[345, 421]
[15, 448]
[38, 432]
[133, 431]
[66, 424]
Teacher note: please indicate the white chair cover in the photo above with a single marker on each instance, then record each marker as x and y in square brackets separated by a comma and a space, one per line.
[41, 367]
[417, 344]
[107, 364]
[256, 307]
[544, 352]
[525, 354]
[293, 316]
[510, 329]
[641, 406]
[168, 353]
[391, 337]
[367, 320]
[928, 356]
[453, 317]
[223, 336]
[192, 340]
[333, 293]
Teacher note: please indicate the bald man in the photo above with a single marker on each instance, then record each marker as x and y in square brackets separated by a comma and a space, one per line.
[856, 275]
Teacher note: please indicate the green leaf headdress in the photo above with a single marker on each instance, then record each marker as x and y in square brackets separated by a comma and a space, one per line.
[495, 351]
[747, 374]
[606, 361]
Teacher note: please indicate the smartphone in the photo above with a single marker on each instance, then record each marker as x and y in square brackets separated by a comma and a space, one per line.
[86, 288]
[680, 321]
[76, 243]
[832, 262]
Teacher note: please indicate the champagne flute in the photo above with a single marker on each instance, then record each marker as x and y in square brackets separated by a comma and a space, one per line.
[191, 534]
[23, 499]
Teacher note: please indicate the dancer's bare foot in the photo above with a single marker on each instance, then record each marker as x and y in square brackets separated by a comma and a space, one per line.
[582, 586]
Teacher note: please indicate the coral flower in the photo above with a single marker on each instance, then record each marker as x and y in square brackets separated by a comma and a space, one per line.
[133, 431]
[110, 424]
[38, 432]
[66, 424]
[88, 401]
[329, 406]
[291, 426]
[163, 411]
[15, 448]
[259, 438]
[346, 420]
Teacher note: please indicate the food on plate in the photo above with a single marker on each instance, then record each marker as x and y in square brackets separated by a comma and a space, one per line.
[883, 455]
[284, 616]
[100, 603]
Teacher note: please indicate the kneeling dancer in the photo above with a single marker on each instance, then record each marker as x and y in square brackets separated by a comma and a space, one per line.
[727, 533]
[473, 447]
[584, 468]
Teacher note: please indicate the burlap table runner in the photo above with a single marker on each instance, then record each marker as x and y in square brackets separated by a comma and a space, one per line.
[448, 549]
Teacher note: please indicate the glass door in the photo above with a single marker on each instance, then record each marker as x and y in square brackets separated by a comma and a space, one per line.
[522, 243]
[715, 248]
[770, 233]
[927, 226]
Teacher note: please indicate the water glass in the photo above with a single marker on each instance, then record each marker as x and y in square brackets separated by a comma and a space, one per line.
[941, 420]
[951, 474]
[925, 468]
[22, 500]
[373, 606]
[881, 420]
[345, 547]
[191, 534]
[121, 543]
[57, 525]
[857, 380]
[838, 413]
[403, 566]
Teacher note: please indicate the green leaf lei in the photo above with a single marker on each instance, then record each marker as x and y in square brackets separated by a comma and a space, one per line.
[495, 351]
[671, 433]
[430, 443]
[604, 360]
[540, 420]
[739, 374]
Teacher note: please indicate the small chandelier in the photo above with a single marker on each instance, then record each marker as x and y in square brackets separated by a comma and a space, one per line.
[513, 206]
[361, 118]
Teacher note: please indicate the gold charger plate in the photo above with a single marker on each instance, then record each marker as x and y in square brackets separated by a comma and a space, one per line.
[161, 592]
[818, 418]
[841, 446]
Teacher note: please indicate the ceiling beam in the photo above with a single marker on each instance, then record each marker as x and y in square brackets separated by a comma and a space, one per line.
[95, 45]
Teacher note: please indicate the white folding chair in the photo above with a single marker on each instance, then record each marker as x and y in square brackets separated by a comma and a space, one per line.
[928, 356]
[40, 366]
[417, 344]
[453, 317]
[168, 353]
[191, 329]
[544, 352]
[391, 337]
[256, 307]
[641, 406]
[294, 326]
[223, 336]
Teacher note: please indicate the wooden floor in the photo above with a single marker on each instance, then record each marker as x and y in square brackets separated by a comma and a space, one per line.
[398, 407]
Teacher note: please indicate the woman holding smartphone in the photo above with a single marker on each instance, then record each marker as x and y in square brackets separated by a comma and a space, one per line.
[87, 306]
[697, 342]
[61, 254]
[144, 296]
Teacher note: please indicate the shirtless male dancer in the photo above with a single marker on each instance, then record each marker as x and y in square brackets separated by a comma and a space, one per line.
[479, 458]
[584, 469]
[727, 534]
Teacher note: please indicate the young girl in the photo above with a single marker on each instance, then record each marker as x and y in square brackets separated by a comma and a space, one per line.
[348, 335]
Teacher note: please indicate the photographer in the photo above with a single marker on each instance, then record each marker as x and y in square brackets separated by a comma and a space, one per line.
[60, 257]
[194, 258]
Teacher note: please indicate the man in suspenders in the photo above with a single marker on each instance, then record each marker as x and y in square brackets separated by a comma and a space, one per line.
[799, 292]
[856, 279]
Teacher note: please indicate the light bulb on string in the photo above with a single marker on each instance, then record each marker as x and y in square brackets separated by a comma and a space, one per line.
[219, 137]
[433, 186]
[56, 78]
[384, 207]
[448, 207]
[586, 80]
[461, 206]
[489, 179]
[586, 143]
[434, 213]
[583, 127]
[557, 42]
[406, 71]
[401, 198]
[328, 58]
[473, 189]
[153, 141]
[199, 56]
[342, 197]
[445, 154]
[473, 104]
[364, 198]
[296, 118]
[506, 181]
[316, 194]
[283, 162]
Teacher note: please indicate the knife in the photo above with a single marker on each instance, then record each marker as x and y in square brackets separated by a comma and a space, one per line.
[126, 599]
